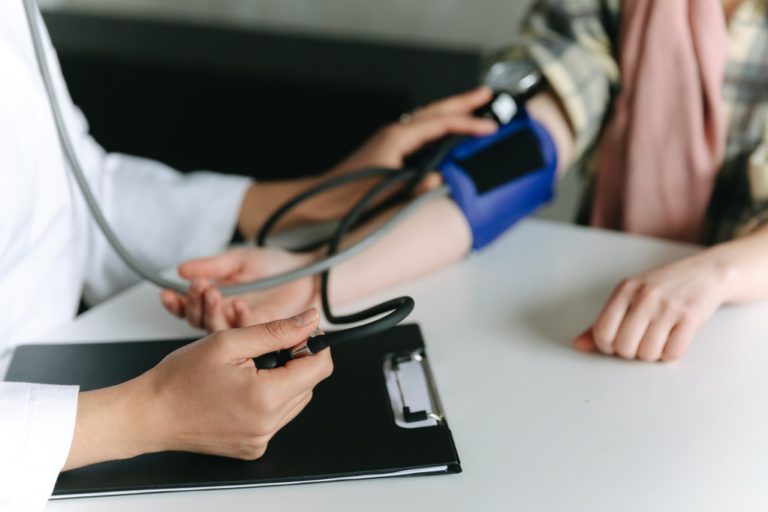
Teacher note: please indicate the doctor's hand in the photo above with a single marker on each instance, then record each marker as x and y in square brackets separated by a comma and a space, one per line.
[207, 397]
[204, 306]
[654, 316]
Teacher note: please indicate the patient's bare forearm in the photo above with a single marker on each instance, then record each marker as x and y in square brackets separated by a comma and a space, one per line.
[438, 234]
[433, 237]
[742, 264]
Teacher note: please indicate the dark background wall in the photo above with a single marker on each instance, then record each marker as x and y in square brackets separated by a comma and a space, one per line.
[270, 105]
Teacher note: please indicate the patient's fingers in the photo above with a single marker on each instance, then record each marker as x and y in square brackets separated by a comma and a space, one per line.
[584, 342]
[213, 311]
[195, 302]
[411, 137]
[243, 317]
[173, 302]
[464, 103]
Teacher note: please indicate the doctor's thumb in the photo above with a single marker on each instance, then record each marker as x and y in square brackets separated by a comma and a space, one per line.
[276, 335]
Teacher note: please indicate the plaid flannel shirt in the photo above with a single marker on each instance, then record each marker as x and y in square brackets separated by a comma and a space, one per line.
[575, 45]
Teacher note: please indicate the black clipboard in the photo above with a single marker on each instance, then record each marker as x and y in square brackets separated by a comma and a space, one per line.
[378, 415]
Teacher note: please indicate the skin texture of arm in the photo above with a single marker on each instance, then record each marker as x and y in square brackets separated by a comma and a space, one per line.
[207, 397]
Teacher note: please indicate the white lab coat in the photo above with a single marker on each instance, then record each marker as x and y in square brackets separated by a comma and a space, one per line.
[51, 251]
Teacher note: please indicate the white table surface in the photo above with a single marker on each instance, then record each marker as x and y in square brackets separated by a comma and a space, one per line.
[538, 426]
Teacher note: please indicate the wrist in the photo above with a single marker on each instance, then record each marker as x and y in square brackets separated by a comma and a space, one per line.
[111, 425]
[732, 273]
[727, 271]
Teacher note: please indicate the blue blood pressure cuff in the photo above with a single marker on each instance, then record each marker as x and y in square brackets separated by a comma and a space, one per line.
[499, 179]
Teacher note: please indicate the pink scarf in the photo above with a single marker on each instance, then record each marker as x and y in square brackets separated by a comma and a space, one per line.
[658, 157]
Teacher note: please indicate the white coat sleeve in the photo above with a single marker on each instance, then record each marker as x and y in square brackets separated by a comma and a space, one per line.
[160, 215]
[37, 424]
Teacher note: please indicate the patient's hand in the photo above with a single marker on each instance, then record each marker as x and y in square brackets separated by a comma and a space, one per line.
[653, 316]
[390, 146]
[205, 307]
[393, 143]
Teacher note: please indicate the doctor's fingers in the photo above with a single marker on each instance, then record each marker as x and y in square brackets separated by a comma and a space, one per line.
[243, 344]
[464, 103]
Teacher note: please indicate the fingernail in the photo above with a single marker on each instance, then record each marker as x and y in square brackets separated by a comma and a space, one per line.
[306, 317]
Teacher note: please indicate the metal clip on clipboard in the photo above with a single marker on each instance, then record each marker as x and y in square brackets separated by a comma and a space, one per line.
[412, 390]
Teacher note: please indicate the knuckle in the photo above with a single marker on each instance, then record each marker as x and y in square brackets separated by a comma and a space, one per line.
[669, 307]
[673, 303]
[648, 293]
[628, 284]
[688, 315]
